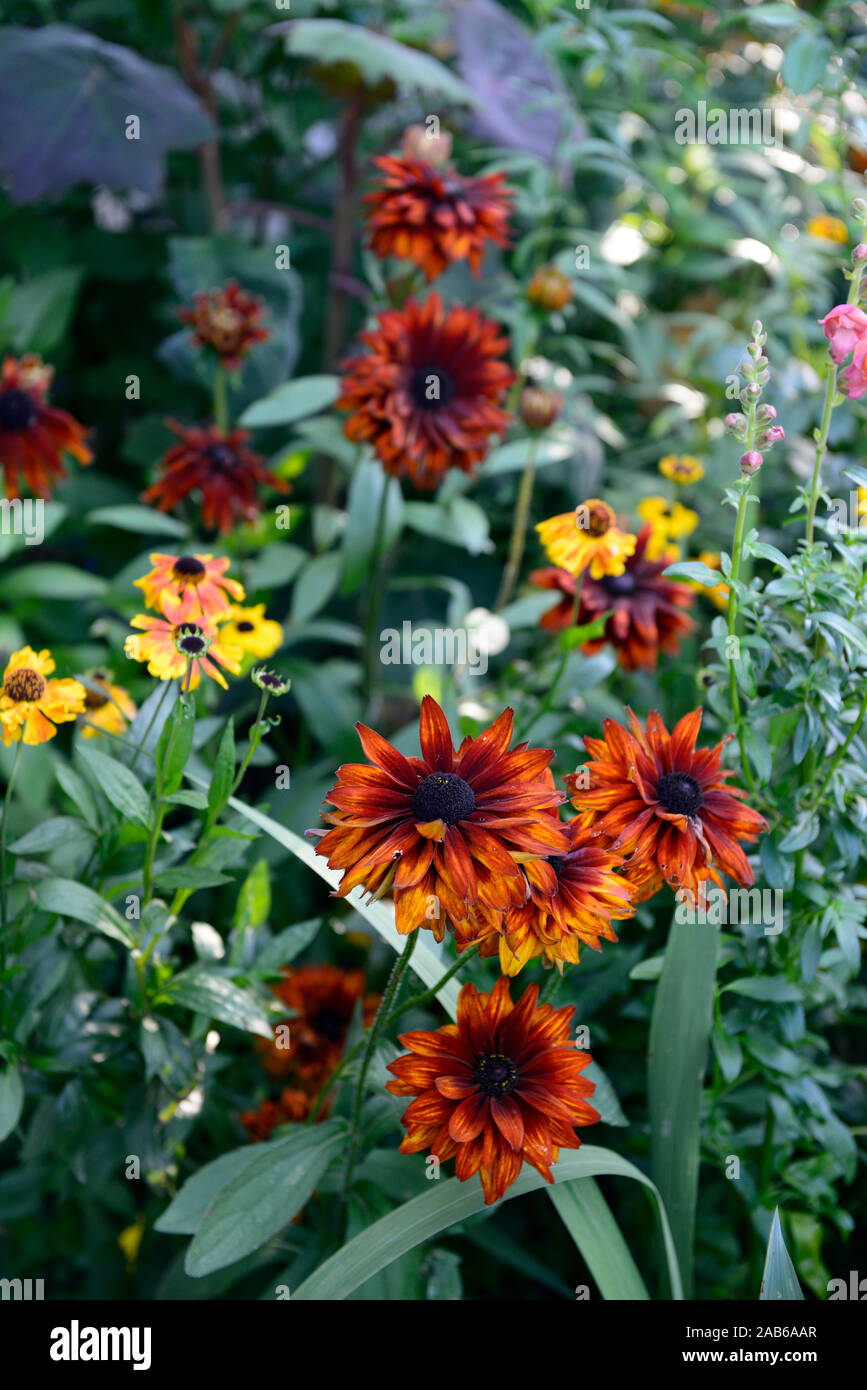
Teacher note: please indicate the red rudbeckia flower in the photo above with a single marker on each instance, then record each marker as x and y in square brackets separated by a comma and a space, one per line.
[499, 1088]
[447, 831]
[428, 394]
[33, 434]
[227, 475]
[573, 898]
[436, 216]
[645, 609]
[226, 321]
[666, 804]
[322, 999]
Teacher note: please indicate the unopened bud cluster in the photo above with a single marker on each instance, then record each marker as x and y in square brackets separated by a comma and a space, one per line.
[753, 426]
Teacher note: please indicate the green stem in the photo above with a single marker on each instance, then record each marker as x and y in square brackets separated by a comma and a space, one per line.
[374, 589]
[519, 527]
[842, 750]
[153, 720]
[254, 742]
[221, 399]
[395, 980]
[737, 548]
[160, 810]
[7, 800]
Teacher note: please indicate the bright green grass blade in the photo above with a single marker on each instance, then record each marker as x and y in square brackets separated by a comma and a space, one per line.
[779, 1280]
[589, 1221]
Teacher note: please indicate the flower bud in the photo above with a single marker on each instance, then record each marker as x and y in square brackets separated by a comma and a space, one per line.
[860, 252]
[750, 463]
[765, 414]
[539, 407]
[767, 438]
[757, 329]
[419, 143]
[858, 210]
[549, 288]
[736, 423]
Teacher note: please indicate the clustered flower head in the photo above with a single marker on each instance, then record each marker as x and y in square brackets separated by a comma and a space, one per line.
[428, 394]
[216, 464]
[308, 1044]
[587, 537]
[431, 215]
[34, 435]
[227, 322]
[501, 1087]
[32, 703]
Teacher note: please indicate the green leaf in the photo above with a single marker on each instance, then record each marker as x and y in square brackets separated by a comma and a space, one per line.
[120, 786]
[78, 792]
[192, 876]
[514, 456]
[332, 41]
[696, 571]
[142, 520]
[175, 745]
[59, 830]
[52, 580]
[449, 1202]
[587, 632]
[774, 988]
[588, 1219]
[288, 944]
[428, 964]
[224, 772]
[215, 996]
[680, 1031]
[315, 586]
[805, 62]
[292, 401]
[362, 514]
[254, 899]
[11, 1100]
[779, 1280]
[184, 1215]
[195, 800]
[262, 1199]
[39, 312]
[70, 899]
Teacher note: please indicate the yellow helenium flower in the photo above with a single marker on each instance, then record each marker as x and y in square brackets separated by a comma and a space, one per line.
[681, 468]
[587, 536]
[170, 648]
[828, 229]
[249, 629]
[110, 711]
[31, 705]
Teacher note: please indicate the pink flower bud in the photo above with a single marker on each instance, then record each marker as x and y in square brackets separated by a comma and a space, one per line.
[750, 463]
[860, 252]
[765, 414]
[844, 327]
[769, 437]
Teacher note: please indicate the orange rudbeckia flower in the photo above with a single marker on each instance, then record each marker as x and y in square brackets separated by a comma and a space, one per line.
[572, 898]
[447, 831]
[499, 1088]
[666, 804]
[199, 579]
[31, 705]
[170, 648]
[587, 536]
[34, 435]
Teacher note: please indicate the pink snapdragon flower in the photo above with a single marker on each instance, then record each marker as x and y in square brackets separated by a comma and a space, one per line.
[845, 326]
[855, 376]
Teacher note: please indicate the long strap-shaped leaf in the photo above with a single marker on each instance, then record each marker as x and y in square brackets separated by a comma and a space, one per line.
[680, 1031]
[452, 1201]
[591, 1224]
[587, 1218]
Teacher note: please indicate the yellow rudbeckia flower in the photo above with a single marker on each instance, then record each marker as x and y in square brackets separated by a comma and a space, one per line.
[31, 705]
[249, 629]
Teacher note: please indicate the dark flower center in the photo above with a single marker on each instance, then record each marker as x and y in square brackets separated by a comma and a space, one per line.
[244, 627]
[496, 1074]
[329, 1024]
[17, 411]
[679, 793]
[188, 567]
[431, 388]
[24, 684]
[596, 518]
[443, 796]
[557, 861]
[190, 640]
[268, 678]
[222, 457]
[619, 584]
[94, 701]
